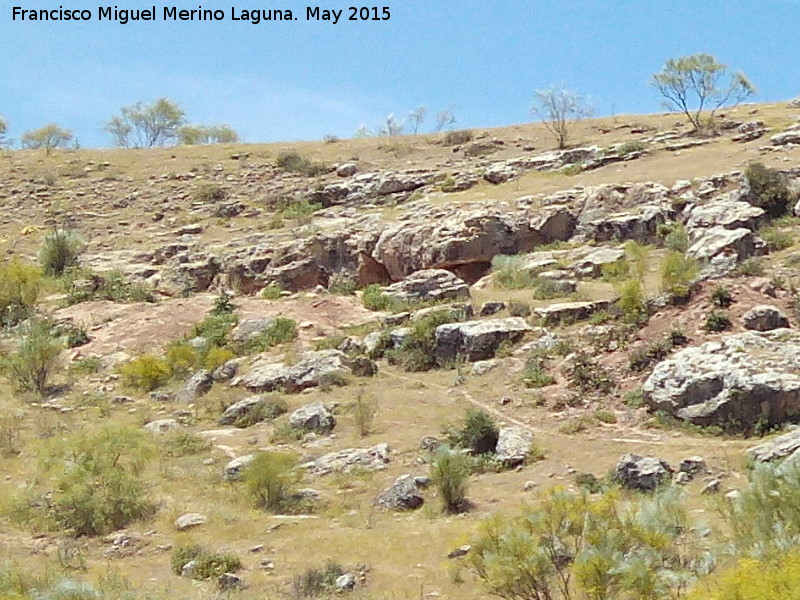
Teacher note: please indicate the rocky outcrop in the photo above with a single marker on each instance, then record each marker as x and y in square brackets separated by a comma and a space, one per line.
[199, 384]
[764, 318]
[162, 426]
[569, 312]
[592, 264]
[242, 411]
[325, 367]
[741, 243]
[726, 213]
[343, 461]
[403, 494]
[776, 448]
[428, 284]
[641, 473]
[234, 468]
[741, 380]
[313, 417]
[477, 340]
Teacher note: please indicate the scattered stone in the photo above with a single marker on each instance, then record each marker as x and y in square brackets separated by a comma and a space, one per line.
[641, 473]
[162, 426]
[230, 581]
[234, 468]
[712, 487]
[530, 486]
[313, 417]
[226, 371]
[765, 318]
[198, 385]
[460, 551]
[190, 520]
[693, 466]
[513, 445]
[343, 461]
[345, 582]
[491, 308]
[429, 443]
[403, 494]
[242, 410]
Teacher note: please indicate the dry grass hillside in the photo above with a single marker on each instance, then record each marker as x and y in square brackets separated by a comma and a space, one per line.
[166, 233]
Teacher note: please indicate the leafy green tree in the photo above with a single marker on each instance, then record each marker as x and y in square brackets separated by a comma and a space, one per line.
[195, 135]
[49, 137]
[692, 84]
[559, 108]
[147, 125]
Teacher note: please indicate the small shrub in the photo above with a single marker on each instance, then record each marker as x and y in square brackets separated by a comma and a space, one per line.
[270, 480]
[216, 328]
[86, 366]
[677, 337]
[100, 489]
[509, 273]
[416, 353]
[180, 358]
[585, 374]
[373, 298]
[631, 147]
[547, 289]
[31, 364]
[209, 192]
[11, 424]
[519, 309]
[605, 416]
[677, 239]
[364, 410]
[750, 267]
[216, 357]
[60, 251]
[634, 399]
[297, 210]
[646, 356]
[342, 284]
[223, 305]
[293, 162]
[280, 331]
[534, 374]
[184, 443]
[616, 271]
[589, 482]
[20, 284]
[272, 292]
[768, 189]
[147, 372]
[207, 564]
[678, 273]
[572, 170]
[316, 582]
[112, 286]
[449, 473]
[717, 321]
[777, 239]
[721, 296]
[577, 425]
[457, 138]
[448, 186]
[77, 337]
[632, 301]
[478, 433]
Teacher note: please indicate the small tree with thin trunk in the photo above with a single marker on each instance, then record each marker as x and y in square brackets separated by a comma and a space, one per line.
[49, 137]
[559, 108]
[147, 125]
[416, 117]
[692, 84]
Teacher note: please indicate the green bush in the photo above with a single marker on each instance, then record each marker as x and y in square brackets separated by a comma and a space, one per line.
[147, 372]
[270, 480]
[184, 443]
[342, 284]
[534, 374]
[265, 411]
[718, 320]
[586, 374]
[207, 564]
[180, 358]
[365, 408]
[100, 489]
[721, 296]
[223, 304]
[216, 328]
[768, 189]
[297, 210]
[646, 356]
[209, 192]
[750, 267]
[316, 582]
[478, 432]
[272, 292]
[631, 301]
[676, 237]
[616, 271]
[777, 239]
[280, 331]
[20, 284]
[456, 138]
[449, 474]
[678, 272]
[60, 251]
[31, 364]
[416, 353]
[373, 298]
[509, 273]
[293, 162]
[83, 287]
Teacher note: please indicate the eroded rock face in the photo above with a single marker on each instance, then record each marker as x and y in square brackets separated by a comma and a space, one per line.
[765, 318]
[776, 448]
[429, 284]
[477, 340]
[742, 379]
[711, 242]
[642, 473]
[314, 369]
[726, 213]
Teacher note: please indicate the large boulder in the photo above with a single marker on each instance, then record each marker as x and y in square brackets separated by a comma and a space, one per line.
[477, 340]
[513, 445]
[726, 213]
[313, 417]
[233, 470]
[196, 386]
[569, 312]
[642, 473]
[344, 461]
[764, 318]
[592, 264]
[403, 494]
[429, 284]
[741, 242]
[314, 369]
[242, 411]
[742, 379]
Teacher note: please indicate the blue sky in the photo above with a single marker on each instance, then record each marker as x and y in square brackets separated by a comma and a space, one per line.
[301, 80]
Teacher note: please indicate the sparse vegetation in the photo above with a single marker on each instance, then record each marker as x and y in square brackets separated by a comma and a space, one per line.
[587, 375]
[417, 351]
[768, 189]
[147, 125]
[718, 320]
[293, 162]
[365, 408]
[316, 582]
[478, 433]
[20, 284]
[449, 473]
[205, 564]
[49, 137]
[559, 108]
[146, 372]
[678, 273]
[721, 296]
[270, 481]
[30, 366]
